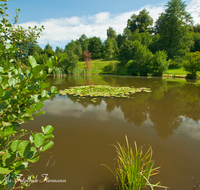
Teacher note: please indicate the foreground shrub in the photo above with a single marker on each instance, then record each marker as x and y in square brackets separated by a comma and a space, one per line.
[22, 92]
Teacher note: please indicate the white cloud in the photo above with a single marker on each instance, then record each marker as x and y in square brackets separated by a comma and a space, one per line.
[63, 106]
[194, 10]
[58, 32]
[189, 127]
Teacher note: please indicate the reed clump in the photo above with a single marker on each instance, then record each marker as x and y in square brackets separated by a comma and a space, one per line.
[135, 168]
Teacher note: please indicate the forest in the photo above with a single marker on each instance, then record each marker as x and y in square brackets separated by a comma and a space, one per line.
[143, 49]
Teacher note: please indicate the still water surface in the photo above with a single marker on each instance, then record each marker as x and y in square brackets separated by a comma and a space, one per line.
[168, 119]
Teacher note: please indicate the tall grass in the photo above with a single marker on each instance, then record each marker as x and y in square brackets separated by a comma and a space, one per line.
[134, 168]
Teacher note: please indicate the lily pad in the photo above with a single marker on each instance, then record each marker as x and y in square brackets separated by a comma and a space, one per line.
[102, 91]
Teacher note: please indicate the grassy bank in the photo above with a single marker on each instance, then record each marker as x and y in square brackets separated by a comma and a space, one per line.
[100, 66]
[97, 67]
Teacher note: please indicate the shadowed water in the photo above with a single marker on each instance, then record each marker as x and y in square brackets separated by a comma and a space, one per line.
[168, 119]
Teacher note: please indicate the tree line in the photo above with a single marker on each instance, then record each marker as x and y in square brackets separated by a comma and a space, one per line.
[143, 48]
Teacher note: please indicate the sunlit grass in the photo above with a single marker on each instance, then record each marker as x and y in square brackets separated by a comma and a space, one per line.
[177, 71]
[97, 66]
[135, 168]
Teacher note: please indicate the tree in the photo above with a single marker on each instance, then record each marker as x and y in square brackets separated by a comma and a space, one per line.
[22, 92]
[110, 49]
[87, 58]
[49, 50]
[196, 28]
[196, 39]
[95, 47]
[141, 60]
[192, 64]
[58, 50]
[173, 27]
[142, 22]
[111, 33]
[159, 64]
[75, 48]
[126, 51]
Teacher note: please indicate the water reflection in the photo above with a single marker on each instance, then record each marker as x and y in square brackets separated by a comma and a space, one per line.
[166, 106]
[168, 119]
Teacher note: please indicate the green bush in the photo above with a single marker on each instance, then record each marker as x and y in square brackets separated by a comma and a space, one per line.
[140, 63]
[22, 91]
[192, 64]
[159, 63]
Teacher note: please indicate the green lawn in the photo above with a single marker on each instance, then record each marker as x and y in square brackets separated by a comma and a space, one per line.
[178, 71]
[97, 67]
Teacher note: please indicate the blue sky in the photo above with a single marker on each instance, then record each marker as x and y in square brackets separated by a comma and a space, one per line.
[68, 20]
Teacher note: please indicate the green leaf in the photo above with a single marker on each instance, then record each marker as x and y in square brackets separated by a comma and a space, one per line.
[10, 130]
[37, 69]
[39, 105]
[32, 61]
[14, 145]
[31, 137]
[1, 69]
[49, 63]
[24, 148]
[34, 159]
[3, 106]
[44, 93]
[4, 170]
[8, 46]
[53, 89]
[45, 85]
[11, 81]
[47, 130]
[7, 158]
[47, 145]
[49, 136]
[1, 90]
[39, 139]
[31, 110]
[39, 113]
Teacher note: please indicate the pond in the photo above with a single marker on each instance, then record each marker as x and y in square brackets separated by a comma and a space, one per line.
[167, 119]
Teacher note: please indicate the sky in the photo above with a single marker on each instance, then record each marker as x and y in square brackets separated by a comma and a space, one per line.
[66, 20]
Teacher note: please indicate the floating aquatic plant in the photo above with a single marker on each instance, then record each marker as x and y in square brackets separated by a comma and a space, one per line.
[102, 91]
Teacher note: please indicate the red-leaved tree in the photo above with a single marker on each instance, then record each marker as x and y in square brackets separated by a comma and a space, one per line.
[87, 58]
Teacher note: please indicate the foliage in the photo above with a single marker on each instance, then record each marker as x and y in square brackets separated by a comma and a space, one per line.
[126, 51]
[22, 90]
[87, 58]
[111, 33]
[159, 63]
[95, 47]
[110, 49]
[109, 68]
[192, 64]
[134, 168]
[142, 22]
[173, 28]
[141, 59]
[196, 39]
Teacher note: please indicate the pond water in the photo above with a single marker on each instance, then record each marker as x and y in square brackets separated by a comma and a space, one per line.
[167, 119]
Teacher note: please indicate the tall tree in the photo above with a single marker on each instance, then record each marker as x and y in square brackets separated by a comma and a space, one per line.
[143, 22]
[111, 33]
[173, 26]
[95, 47]
[110, 49]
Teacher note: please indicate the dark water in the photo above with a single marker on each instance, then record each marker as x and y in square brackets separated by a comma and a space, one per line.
[168, 119]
